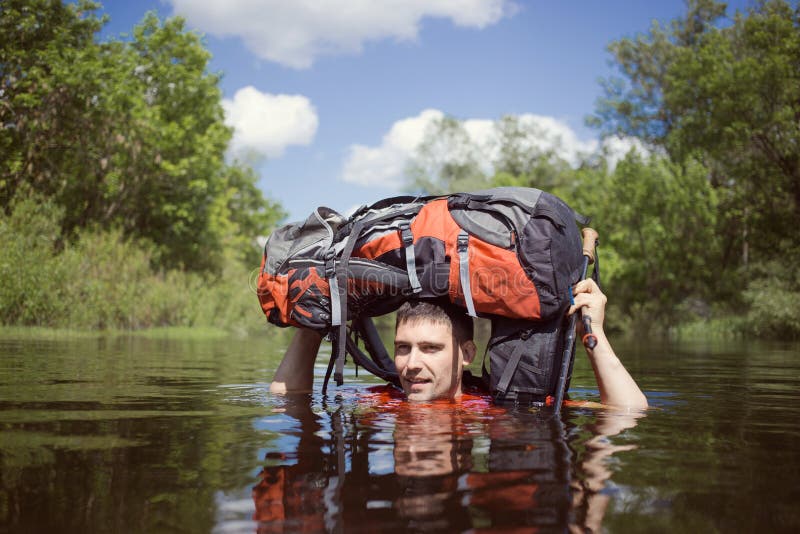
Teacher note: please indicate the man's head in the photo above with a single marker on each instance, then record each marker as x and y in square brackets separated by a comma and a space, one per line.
[433, 343]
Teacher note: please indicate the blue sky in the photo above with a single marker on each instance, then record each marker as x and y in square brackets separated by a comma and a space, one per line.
[331, 93]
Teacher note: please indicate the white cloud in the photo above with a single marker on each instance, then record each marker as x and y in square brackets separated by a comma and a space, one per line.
[296, 32]
[267, 124]
[385, 164]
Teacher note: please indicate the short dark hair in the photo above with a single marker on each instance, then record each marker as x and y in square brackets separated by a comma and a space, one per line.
[438, 311]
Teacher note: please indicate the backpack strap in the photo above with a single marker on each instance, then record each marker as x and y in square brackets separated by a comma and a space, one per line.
[341, 287]
[372, 341]
[462, 246]
[411, 263]
[333, 283]
[508, 372]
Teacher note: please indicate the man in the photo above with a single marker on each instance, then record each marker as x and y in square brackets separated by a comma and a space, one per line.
[433, 344]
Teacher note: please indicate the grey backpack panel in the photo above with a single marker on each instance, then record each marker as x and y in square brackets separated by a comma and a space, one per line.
[311, 239]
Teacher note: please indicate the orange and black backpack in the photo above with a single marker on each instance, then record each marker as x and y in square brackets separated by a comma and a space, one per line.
[510, 254]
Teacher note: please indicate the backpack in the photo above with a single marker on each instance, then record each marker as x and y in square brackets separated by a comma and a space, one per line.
[510, 254]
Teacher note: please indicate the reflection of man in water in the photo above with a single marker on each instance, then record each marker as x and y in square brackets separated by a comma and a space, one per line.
[456, 467]
[434, 343]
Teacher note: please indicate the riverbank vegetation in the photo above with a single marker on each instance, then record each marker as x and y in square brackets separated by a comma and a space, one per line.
[119, 208]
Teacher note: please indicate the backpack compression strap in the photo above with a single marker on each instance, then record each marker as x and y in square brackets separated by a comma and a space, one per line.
[462, 245]
[411, 262]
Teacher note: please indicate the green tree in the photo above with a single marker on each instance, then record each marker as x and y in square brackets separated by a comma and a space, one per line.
[41, 112]
[658, 219]
[447, 160]
[125, 133]
[726, 92]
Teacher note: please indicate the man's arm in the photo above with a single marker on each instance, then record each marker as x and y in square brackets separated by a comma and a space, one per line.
[295, 374]
[617, 387]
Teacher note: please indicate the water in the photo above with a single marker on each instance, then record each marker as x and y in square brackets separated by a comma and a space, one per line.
[143, 435]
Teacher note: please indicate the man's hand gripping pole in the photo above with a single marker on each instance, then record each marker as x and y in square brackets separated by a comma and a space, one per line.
[590, 238]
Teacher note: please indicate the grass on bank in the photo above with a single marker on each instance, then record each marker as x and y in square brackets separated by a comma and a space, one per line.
[162, 332]
[102, 281]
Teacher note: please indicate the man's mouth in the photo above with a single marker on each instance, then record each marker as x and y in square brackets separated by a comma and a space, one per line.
[418, 380]
[417, 384]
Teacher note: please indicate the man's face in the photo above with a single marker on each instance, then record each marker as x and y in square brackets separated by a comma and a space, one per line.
[429, 360]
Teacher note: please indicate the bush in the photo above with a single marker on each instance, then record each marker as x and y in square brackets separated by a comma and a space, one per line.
[31, 272]
[774, 299]
[102, 280]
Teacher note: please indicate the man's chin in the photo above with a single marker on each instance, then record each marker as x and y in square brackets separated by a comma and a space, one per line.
[419, 397]
[419, 392]
[425, 393]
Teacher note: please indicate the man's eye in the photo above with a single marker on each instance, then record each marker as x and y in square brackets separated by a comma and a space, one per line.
[401, 349]
[430, 349]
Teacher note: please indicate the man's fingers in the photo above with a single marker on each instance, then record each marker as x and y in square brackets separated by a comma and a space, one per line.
[584, 286]
[580, 301]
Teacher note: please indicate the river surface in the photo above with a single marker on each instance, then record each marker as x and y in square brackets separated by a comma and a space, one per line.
[134, 434]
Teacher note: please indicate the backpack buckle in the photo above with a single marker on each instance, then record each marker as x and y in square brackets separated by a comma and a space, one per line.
[462, 242]
[330, 263]
[405, 235]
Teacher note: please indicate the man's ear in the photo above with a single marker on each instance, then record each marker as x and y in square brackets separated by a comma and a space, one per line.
[468, 349]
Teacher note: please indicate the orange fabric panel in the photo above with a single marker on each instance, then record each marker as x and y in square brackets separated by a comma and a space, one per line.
[380, 246]
[434, 220]
[312, 278]
[273, 292]
[498, 282]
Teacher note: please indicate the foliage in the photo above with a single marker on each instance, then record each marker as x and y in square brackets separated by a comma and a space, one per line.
[730, 95]
[773, 296]
[659, 220]
[447, 160]
[726, 92]
[32, 280]
[119, 209]
[128, 134]
[104, 280]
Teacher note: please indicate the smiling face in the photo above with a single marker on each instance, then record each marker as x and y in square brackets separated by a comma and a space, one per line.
[429, 359]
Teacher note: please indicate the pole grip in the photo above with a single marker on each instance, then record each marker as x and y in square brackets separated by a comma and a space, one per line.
[590, 237]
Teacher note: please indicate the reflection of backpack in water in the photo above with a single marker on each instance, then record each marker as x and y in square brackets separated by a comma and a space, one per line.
[510, 254]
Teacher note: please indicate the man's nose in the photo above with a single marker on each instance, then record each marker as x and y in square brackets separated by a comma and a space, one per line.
[414, 359]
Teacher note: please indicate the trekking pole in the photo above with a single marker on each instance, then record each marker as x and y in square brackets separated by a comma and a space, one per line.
[590, 238]
[589, 243]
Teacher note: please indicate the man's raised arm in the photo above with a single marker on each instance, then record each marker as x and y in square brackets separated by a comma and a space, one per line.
[295, 374]
[617, 387]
